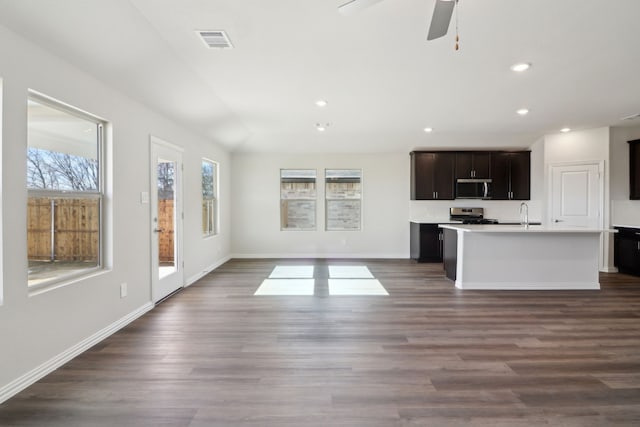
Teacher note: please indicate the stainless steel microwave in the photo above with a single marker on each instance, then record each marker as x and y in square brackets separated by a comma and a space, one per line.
[473, 188]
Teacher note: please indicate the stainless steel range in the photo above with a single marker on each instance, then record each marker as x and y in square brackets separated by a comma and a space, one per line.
[470, 216]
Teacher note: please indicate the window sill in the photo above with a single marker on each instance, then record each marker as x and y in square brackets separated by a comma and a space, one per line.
[46, 287]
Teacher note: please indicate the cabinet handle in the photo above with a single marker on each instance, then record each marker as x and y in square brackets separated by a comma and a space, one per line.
[436, 194]
[639, 246]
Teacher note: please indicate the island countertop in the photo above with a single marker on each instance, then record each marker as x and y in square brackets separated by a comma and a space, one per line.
[501, 228]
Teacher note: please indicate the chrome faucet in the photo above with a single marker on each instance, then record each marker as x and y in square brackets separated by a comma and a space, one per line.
[524, 214]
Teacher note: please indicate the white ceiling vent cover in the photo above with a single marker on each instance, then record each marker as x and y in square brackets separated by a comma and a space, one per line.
[216, 39]
[631, 117]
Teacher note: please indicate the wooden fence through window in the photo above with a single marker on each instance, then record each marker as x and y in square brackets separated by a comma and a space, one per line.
[75, 233]
[76, 229]
[165, 238]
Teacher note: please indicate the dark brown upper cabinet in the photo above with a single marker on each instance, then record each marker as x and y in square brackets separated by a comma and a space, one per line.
[511, 175]
[634, 169]
[432, 175]
[473, 165]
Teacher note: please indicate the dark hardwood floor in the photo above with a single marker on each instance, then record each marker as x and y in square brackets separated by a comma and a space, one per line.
[426, 355]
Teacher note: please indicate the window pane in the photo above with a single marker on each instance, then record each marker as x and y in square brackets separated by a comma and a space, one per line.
[209, 197]
[65, 193]
[298, 199]
[343, 193]
[166, 217]
[62, 150]
[208, 188]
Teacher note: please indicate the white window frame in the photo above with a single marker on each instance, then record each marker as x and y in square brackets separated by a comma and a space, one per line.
[328, 200]
[211, 205]
[98, 194]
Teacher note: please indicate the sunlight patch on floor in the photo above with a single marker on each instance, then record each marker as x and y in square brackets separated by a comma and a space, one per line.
[349, 272]
[292, 272]
[356, 287]
[286, 287]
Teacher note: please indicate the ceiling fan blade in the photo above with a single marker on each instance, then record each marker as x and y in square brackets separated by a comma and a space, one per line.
[355, 6]
[441, 18]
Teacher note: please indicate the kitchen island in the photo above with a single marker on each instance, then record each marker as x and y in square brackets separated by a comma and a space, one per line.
[516, 257]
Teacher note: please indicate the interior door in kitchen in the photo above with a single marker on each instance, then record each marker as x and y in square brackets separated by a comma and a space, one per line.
[166, 219]
[576, 195]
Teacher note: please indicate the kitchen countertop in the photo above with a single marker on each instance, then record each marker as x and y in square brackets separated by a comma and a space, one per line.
[449, 221]
[502, 228]
[626, 226]
[435, 221]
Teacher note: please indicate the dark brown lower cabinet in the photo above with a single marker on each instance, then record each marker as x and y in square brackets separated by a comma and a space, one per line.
[450, 255]
[426, 242]
[634, 169]
[627, 250]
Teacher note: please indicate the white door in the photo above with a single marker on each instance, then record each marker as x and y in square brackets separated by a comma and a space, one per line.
[166, 219]
[576, 198]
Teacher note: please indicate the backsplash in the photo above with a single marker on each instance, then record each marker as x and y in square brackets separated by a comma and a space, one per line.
[502, 210]
[625, 212]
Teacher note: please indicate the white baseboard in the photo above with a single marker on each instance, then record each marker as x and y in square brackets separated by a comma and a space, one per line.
[191, 280]
[609, 269]
[528, 286]
[24, 381]
[324, 256]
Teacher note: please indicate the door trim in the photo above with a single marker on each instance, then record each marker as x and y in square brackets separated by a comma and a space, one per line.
[155, 141]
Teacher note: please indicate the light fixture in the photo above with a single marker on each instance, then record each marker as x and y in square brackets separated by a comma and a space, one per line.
[565, 130]
[428, 130]
[520, 67]
[322, 127]
[523, 111]
[321, 103]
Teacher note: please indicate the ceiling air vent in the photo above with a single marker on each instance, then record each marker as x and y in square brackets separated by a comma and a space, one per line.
[216, 39]
[631, 117]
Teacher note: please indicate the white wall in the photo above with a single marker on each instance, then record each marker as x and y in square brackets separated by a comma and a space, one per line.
[34, 329]
[256, 207]
[623, 210]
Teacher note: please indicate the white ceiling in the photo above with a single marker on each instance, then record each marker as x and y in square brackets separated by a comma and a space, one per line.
[384, 82]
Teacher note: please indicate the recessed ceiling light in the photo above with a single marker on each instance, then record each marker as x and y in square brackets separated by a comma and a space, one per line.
[520, 67]
[565, 130]
[523, 111]
[321, 103]
[428, 130]
[322, 127]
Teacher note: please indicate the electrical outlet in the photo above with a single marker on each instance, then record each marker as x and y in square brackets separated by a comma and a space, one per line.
[123, 290]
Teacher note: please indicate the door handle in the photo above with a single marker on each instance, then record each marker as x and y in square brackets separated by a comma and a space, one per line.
[557, 220]
[158, 230]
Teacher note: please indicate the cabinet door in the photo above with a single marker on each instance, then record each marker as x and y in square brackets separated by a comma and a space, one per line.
[634, 169]
[422, 171]
[500, 168]
[627, 254]
[481, 165]
[443, 177]
[430, 243]
[521, 175]
[464, 165]
[473, 165]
